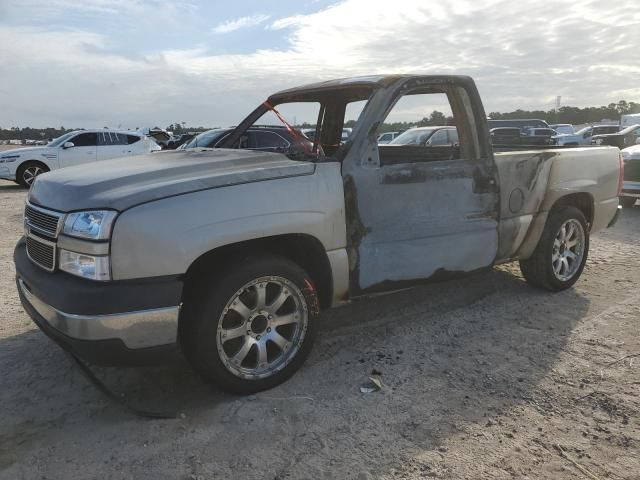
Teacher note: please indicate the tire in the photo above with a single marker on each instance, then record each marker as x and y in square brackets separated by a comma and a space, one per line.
[232, 316]
[28, 171]
[545, 268]
[627, 202]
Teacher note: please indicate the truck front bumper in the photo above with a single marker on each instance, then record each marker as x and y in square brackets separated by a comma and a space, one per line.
[119, 323]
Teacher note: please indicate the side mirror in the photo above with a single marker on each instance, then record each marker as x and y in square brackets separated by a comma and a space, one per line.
[68, 145]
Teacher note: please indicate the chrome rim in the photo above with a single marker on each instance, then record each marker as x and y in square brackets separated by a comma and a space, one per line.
[262, 327]
[30, 174]
[568, 250]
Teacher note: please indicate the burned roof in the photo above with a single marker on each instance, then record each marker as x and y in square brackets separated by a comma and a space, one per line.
[361, 82]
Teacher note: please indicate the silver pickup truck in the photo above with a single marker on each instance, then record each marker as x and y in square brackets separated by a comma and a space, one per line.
[230, 254]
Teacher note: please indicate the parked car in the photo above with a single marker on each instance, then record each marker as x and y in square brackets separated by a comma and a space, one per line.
[435, 136]
[511, 137]
[540, 136]
[622, 139]
[506, 136]
[266, 138]
[73, 148]
[159, 135]
[176, 140]
[310, 133]
[232, 254]
[631, 187]
[522, 123]
[584, 135]
[386, 137]
[563, 128]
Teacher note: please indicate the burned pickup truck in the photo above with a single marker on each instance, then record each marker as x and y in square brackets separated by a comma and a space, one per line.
[229, 254]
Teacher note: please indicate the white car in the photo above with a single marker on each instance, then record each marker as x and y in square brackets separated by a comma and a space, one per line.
[386, 137]
[583, 136]
[23, 165]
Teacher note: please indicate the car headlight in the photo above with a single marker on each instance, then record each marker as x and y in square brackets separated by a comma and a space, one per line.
[83, 265]
[93, 224]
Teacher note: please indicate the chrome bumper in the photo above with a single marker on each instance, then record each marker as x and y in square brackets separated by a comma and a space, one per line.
[140, 329]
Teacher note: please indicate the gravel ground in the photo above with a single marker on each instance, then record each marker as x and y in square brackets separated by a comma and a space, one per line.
[482, 378]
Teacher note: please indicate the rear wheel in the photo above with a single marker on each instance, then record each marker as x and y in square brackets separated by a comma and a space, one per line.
[28, 171]
[561, 253]
[251, 327]
[628, 202]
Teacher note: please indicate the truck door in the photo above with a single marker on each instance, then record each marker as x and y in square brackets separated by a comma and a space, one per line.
[416, 210]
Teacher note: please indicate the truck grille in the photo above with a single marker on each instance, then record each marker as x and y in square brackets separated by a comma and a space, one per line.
[41, 229]
[42, 252]
[42, 221]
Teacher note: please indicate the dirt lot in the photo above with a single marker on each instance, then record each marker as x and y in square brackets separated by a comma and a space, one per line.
[482, 378]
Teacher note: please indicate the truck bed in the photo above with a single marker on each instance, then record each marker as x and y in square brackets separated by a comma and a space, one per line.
[531, 181]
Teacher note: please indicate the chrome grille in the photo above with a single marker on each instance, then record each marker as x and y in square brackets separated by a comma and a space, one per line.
[42, 221]
[42, 252]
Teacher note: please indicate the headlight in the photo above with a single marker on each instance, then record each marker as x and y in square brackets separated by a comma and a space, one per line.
[9, 159]
[86, 266]
[94, 224]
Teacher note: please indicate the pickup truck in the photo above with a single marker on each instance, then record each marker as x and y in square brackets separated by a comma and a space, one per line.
[230, 255]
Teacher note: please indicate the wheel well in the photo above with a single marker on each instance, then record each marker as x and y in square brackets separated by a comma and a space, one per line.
[304, 250]
[583, 201]
[26, 163]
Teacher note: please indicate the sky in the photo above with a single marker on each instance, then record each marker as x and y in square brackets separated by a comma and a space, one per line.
[134, 63]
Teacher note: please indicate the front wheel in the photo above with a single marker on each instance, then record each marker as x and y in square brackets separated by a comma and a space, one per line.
[252, 326]
[560, 256]
[28, 172]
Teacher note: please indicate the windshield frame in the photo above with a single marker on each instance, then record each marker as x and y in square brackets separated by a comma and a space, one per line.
[331, 100]
[62, 139]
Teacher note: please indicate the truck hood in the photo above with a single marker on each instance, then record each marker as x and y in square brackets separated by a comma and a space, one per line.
[124, 182]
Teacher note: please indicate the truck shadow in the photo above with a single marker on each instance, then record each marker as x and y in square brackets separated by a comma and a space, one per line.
[449, 354]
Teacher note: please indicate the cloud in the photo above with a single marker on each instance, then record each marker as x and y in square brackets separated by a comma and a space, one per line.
[242, 22]
[520, 59]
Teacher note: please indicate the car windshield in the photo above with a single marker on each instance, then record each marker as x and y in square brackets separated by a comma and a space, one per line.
[206, 139]
[413, 137]
[628, 129]
[61, 140]
[563, 129]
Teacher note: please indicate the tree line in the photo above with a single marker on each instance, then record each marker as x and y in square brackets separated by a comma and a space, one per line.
[574, 115]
